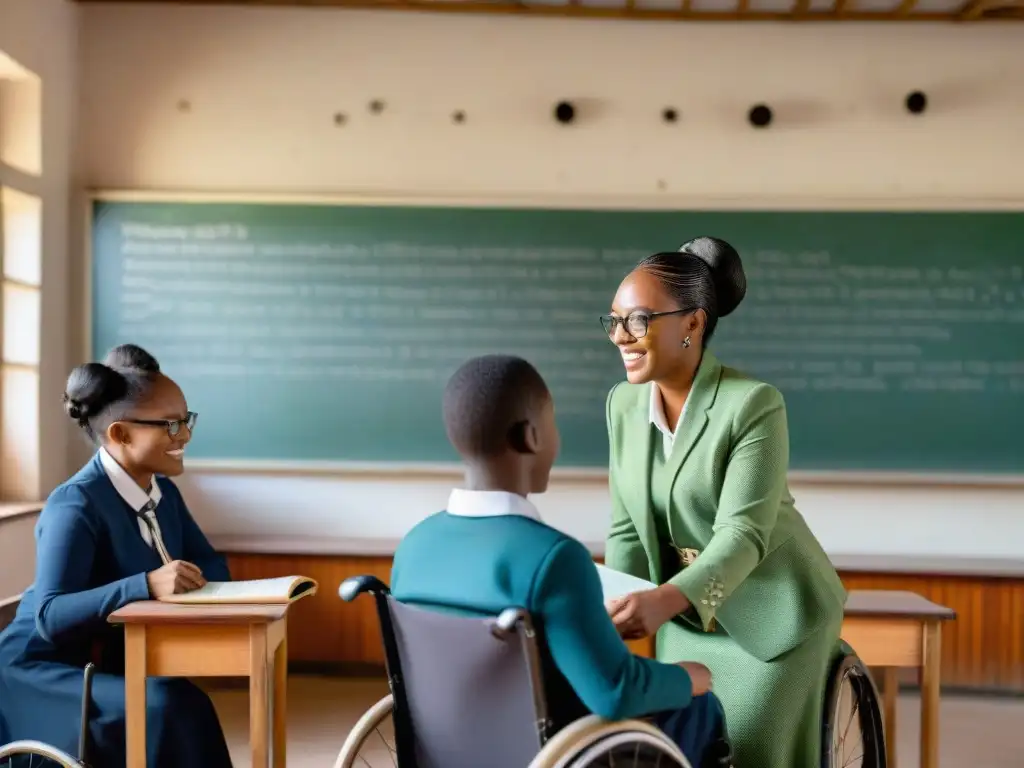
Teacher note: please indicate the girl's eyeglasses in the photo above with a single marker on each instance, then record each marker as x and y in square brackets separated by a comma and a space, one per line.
[173, 426]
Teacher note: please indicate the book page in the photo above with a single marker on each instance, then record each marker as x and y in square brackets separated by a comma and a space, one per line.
[617, 584]
[259, 590]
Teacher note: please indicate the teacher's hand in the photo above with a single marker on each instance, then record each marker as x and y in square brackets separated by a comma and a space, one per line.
[640, 614]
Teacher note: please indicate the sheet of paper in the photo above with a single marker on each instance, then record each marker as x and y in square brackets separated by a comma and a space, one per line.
[616, 584]
[241, 590]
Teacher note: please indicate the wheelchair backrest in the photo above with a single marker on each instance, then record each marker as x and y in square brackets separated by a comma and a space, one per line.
[470, 688]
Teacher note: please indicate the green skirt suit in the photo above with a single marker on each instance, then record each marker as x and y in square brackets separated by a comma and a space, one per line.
[710, 512]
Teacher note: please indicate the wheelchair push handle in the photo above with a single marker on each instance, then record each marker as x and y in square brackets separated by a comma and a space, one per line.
[83, 734]
[354, 586]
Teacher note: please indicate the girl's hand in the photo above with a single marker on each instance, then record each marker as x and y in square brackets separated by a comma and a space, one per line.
[174, 578]
[641, 614]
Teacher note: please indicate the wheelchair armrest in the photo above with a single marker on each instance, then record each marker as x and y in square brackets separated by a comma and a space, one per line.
[353, 587]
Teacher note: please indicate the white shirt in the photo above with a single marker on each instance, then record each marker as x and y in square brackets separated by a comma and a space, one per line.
[130, 491]
[463, 503]
[660, 421]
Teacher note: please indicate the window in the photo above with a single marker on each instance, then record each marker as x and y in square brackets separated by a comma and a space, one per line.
[21, 113]
[21, 258]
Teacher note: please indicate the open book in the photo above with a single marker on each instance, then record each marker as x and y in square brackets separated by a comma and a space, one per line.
[617, 584]
[286, 589]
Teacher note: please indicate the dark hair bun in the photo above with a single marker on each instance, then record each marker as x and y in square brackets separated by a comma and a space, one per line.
[726, 270]
[91, 388]
[129, 357]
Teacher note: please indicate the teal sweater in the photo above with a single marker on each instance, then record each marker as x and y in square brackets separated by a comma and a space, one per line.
[483, 565]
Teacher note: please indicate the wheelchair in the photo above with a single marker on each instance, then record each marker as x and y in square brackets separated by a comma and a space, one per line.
[35, 754]
[489, 708]
[468, 692]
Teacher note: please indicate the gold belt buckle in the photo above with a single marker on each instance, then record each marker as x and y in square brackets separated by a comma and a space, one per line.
[687, 555]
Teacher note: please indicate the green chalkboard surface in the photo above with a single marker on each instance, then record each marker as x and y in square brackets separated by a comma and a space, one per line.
[323, 332]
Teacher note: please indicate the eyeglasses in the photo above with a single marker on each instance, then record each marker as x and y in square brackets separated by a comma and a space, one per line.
[636, 322]
[173, 426]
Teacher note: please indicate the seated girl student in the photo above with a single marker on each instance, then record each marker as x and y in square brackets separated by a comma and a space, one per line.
[116, 532]
[490, 550]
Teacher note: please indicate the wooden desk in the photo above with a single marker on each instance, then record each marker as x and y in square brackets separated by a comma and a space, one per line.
[163, 639]
[892, 630]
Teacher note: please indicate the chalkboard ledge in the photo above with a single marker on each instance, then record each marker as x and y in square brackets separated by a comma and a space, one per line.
[14, 510]
[564, 475]
[921, 565]
[322, 546]
[367, 470]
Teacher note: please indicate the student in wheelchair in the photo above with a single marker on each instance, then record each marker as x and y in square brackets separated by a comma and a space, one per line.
[490, 550]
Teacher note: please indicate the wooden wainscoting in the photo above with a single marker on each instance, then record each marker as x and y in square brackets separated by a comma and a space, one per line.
[983, 649]
[323, 629]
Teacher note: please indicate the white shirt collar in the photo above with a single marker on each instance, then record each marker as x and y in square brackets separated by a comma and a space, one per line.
[660, 420]
[463, 503]
[128, 489]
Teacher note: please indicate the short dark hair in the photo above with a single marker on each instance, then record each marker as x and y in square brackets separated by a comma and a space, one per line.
[487, 399]
[705, 273]
[98, 394]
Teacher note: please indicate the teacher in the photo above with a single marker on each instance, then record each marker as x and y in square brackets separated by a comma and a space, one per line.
[701, 506]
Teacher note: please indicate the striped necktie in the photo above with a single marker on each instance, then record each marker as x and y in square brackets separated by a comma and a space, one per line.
[148, 515]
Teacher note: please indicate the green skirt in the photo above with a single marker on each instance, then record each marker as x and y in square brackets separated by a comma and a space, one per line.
[773, 710]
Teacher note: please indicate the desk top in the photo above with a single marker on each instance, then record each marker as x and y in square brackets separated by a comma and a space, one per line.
[868, 603]
[155, 612]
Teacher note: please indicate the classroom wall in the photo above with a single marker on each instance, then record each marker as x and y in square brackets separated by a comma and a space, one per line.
[42, 35]
[215, 99]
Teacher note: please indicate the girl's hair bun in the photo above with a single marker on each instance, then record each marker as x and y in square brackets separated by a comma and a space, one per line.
[90, 389]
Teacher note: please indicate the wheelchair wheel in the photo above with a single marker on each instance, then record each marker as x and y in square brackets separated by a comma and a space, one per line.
[628, 750]
[35, 754]
[853, 731]
[591, 742]
[371, 743]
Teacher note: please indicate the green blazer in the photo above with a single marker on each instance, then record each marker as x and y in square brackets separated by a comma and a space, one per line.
[759, 571]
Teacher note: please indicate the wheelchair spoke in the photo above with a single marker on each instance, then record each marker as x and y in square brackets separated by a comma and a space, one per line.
[859, 742]
[853, 714]
[375, 752]
[392, 750]
[844, 742]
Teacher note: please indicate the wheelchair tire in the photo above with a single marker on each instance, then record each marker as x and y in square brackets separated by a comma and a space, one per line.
[851, 678]
[35, 754]
[627, 749]
[367, 725]
[585, 742]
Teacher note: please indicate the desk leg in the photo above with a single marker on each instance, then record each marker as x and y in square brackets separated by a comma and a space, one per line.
[930, 682]
[280, 725]
[890, 698]
[259, 695]
[135, 694]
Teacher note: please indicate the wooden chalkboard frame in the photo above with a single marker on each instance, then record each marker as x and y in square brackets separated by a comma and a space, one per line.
[562, 475]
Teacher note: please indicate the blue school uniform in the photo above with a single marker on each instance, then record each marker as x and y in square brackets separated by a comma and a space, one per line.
[94, 548]
[490, 551]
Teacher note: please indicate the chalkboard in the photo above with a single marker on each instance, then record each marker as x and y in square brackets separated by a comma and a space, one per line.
[305, 332]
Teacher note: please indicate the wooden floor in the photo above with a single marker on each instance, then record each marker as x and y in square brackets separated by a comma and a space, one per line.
[976, 732]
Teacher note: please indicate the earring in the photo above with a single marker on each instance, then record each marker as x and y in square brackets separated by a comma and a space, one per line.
[686, 342]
